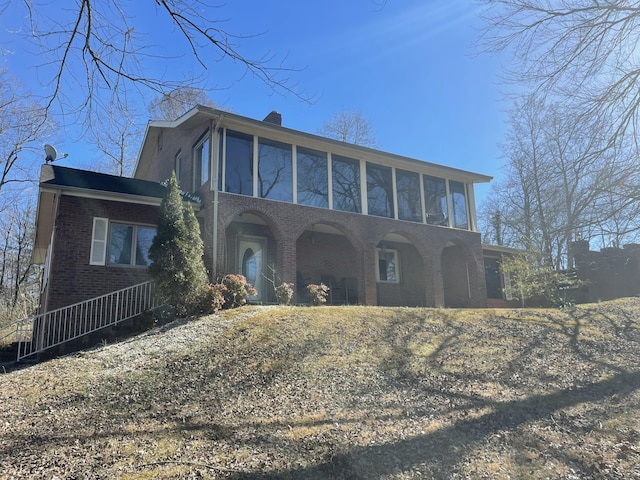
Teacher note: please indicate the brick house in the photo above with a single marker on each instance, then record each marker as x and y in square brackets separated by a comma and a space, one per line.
[378, 228]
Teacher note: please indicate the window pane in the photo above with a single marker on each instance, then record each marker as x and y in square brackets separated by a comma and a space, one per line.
[435, 200]
[313, 182]
[201, 163]
[144, 237]
[275, 179]
[379, 190]
[458, 204]
[346, 184]
[408, 189]
[239, 164]
[120, 244]
[388, 266]
[178, 167]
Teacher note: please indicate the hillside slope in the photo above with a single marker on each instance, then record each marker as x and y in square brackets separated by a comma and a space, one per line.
[339, 393]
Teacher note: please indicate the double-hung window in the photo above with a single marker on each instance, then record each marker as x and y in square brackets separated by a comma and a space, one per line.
[120, 243]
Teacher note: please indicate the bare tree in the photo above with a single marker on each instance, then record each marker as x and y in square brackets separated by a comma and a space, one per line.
[583, 52]
[560, 184]
[118, 138]
[351, 127]
[19, 280]
[22, 122]
[172, 104]
[97, 48]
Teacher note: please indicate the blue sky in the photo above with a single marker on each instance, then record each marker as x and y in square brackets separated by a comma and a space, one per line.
[409, 66]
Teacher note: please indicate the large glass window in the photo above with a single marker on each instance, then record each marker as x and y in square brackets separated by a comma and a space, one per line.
[345, 178]
[435, 199]
[201, 155]
[274, 170]
[239, 163]
[457, 191]
[408, 189]
[129, 244]
[379, 190]
[313, 188]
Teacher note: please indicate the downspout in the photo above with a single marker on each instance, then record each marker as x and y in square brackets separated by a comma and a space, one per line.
[216, 169]
[45, 299]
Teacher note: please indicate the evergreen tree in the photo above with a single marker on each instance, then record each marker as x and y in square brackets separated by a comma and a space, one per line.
[176, 253]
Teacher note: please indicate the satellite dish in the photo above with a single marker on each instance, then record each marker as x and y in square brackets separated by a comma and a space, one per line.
[51, 154]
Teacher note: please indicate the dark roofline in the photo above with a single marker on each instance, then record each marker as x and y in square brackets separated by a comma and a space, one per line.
[57, 176]
[86, 180]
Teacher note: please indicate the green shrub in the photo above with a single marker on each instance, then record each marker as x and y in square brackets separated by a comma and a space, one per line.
[176, 253]
[317, 293]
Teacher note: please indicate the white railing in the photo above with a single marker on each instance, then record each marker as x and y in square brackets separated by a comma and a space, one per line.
[50, 329]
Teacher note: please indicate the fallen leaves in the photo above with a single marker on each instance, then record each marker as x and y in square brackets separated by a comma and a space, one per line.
[269, 392]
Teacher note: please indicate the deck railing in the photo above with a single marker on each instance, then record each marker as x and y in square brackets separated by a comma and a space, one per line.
[53, 328]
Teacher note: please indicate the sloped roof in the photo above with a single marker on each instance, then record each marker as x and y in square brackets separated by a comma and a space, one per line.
[57, 176]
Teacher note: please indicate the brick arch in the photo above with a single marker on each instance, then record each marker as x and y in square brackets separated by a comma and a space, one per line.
[238, 233]
[415, 258]
[231, 216]
[335, 259]
[344, 230]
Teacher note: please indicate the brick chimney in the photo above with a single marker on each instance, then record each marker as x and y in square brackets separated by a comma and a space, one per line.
[274, 117]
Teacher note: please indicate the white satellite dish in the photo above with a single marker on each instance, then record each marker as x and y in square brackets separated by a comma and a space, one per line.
[51, 154]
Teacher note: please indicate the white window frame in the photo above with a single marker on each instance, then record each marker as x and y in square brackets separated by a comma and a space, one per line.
[100, 243]
[396, 256]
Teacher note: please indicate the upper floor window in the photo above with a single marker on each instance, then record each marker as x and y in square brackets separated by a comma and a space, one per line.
[457, 193]
[313, 181]
[408, 190]
[346, 184]
[252, 165]
[178, 166]
[379, 190]
[435, 200]
[274, 170]
[201, 156]
[239, 163]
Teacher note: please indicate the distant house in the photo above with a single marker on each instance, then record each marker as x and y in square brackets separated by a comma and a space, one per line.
[378, 228]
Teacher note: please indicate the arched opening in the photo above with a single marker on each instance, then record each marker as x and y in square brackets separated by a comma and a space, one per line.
[324, 254]
[400, 272]
[251, 251]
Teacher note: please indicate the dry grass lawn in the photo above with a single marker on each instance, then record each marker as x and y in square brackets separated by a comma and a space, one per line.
[339, 393]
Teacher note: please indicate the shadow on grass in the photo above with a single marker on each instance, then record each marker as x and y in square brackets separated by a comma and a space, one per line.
[444, 448]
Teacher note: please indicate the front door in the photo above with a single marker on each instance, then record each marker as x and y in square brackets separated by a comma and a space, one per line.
[251, 260]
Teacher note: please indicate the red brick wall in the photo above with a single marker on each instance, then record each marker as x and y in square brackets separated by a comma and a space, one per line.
[422, 266]
[71, 278]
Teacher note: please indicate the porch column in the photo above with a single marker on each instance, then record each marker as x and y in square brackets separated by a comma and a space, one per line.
[437, 281]
[287, 260]
[369, 275]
